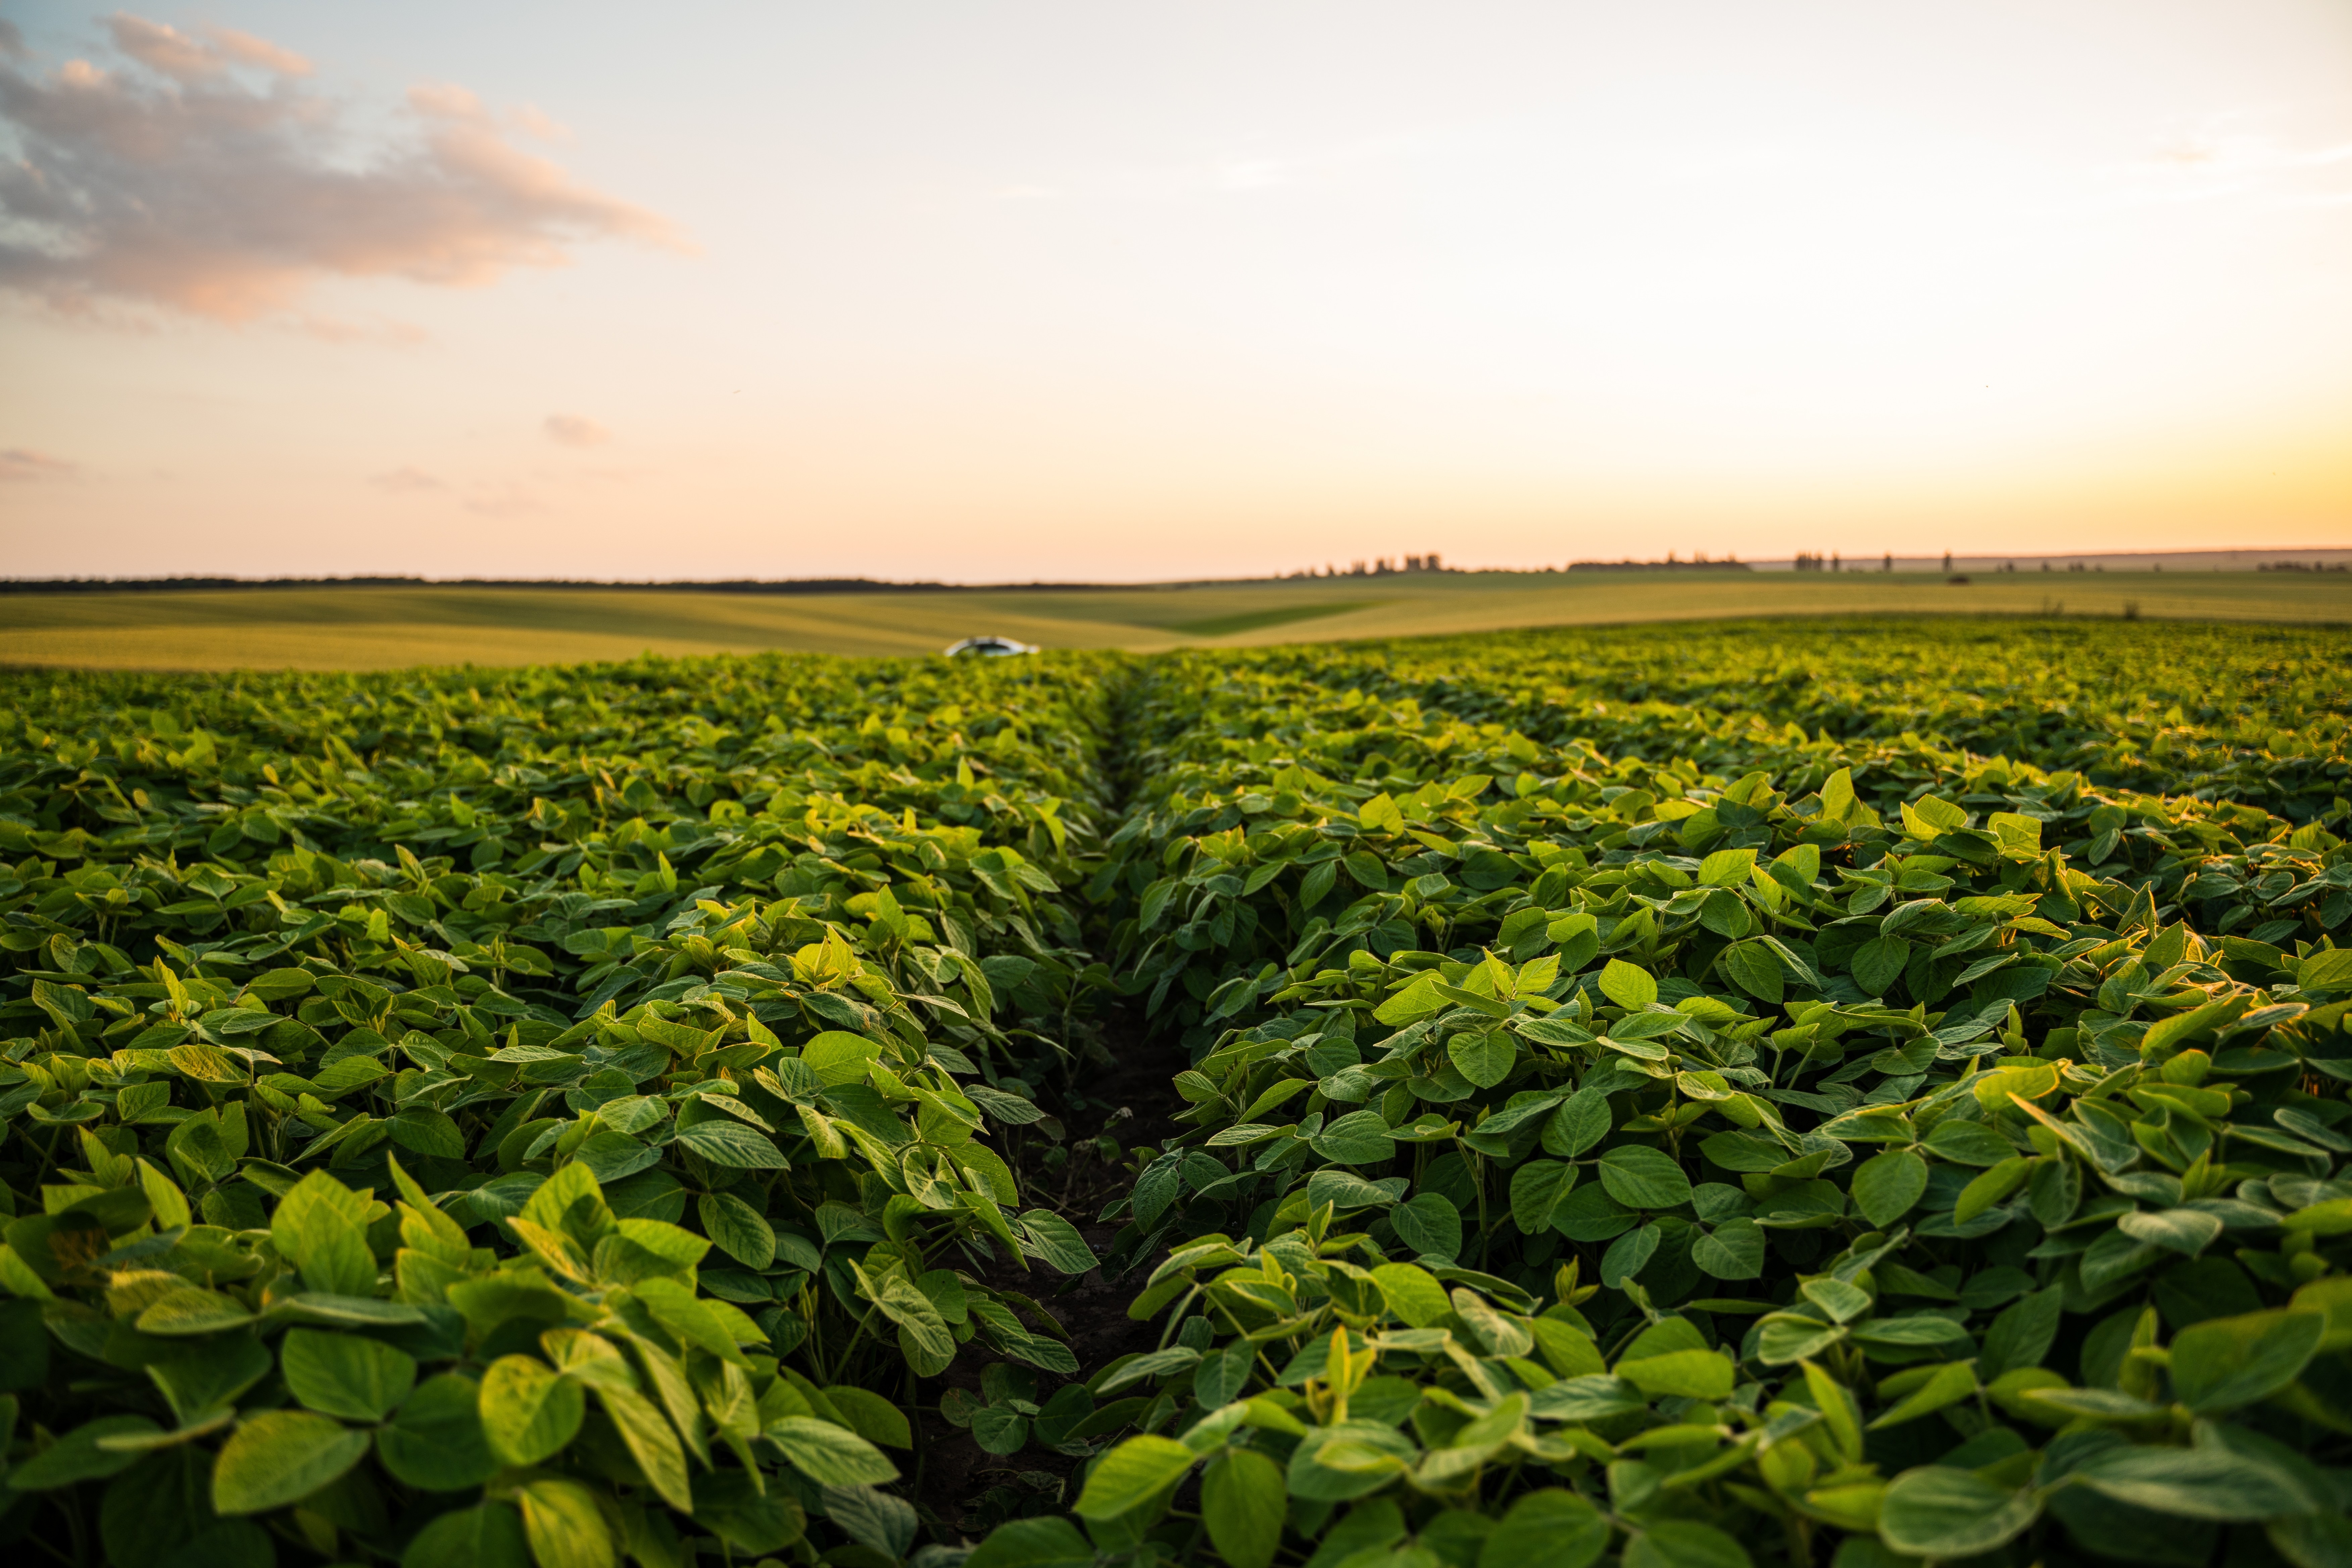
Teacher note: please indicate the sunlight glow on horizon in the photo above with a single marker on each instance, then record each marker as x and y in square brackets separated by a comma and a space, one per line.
[1033, 290]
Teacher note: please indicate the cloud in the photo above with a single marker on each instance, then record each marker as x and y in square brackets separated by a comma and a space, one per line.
[169, 52]
[572, 430]
[20, 465]
[406, 481]
[200, 175]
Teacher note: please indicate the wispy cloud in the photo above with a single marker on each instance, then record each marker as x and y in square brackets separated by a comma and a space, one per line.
[406, 481]
[200, 175]
[2234, 155]
[572, 430]
[20, 465]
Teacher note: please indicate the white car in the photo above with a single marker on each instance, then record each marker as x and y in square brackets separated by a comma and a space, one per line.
[987, 648]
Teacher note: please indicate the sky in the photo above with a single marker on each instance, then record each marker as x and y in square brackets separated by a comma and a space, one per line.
[999, 291]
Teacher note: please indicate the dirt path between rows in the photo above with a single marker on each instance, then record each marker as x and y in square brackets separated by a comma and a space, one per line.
[961, 1487]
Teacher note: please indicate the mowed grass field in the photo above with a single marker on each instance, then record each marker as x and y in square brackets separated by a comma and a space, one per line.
[388, 628]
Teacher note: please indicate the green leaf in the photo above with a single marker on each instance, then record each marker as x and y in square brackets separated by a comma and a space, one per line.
[2313, 1541]
[1132, 1475]
[738, 1229]
[1726, 867]
[652, 1442]
[2222, 1363]
[1220, 1377]
[723, 1141]
[205, 1375]
[76, 1456]
[1578, 1125]
[872, 1517]
[1879, 963]
[1732, 1250]
[692, 1319]
[427, 1131]
[1937, 1511]
[1428, 1223]
[1947, 1385]
[1242, 1503]
[1887, 1185]
[1628, 985]
[924, 1337]
[2330, 970]
[1691, 1374]
[2180, 1231]
[1416, 1001]
[837, 1057]
[1413, 1293]
[750, 1520]
[280, 1456]
[2196, 1483]
[1968, 1142]
[1642, 1177]
[999, 1429]
[528, 1413]
[348, 1375]
[1684, 1543]
[872, 1416]
[1549, 1529]
[1365, 1455]
[1056, 1242]
[1755, 969]
[320, 1228]
[831, 1456]
[563, 1525]
[2022, 1335]
[1538, 1189]
[1051, 1542]
[1629, 1255]
[189, 1311]
[1358, 1138]
[1486, 1059]
[488, 1536]
[435, 1442]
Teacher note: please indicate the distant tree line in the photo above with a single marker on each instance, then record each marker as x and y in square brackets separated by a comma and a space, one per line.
[1697, 563]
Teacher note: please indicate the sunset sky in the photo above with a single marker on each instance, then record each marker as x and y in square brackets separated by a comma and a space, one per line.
[993, 291]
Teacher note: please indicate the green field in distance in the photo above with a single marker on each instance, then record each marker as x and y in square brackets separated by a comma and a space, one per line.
[395, 627]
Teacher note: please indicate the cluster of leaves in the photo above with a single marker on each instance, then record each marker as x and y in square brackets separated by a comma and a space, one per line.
[1292, 822]
[2254, 715]
[367, 1113]
[1892, 1148]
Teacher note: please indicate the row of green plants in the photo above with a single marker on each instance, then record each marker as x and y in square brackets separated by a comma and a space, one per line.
[1621, 1120]
[1881, 1153]
[2251, 714]
[558, 1123]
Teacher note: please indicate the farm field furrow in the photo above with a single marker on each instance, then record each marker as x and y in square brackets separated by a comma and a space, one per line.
[1768, 1092]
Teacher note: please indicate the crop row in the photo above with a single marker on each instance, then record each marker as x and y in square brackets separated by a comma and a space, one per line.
[397, 1067]
[1599, 1153]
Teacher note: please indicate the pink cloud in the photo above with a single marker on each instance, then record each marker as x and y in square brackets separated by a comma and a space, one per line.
[406, 481]
[20, 465]
[169, 52]
[183, 180]
[572, 430]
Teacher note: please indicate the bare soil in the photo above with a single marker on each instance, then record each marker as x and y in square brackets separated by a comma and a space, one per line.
[955, 1473]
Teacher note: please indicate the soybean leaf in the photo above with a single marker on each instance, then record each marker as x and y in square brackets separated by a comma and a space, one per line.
[280, 1456]
[1242, 1503]
[348, 1375]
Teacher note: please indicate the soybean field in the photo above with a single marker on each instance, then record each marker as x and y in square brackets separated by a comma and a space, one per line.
[1735, 1095]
